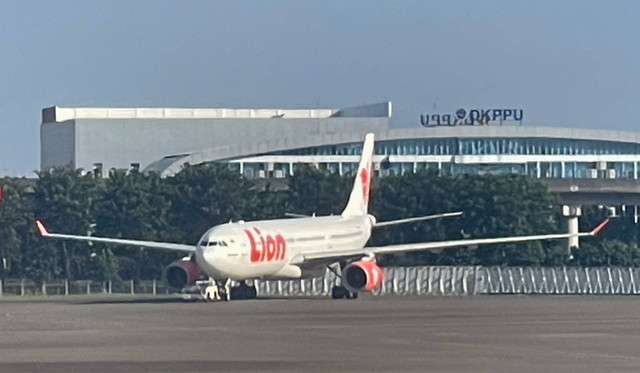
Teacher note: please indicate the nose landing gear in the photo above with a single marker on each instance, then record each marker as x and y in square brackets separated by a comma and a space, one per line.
[219, 290]
[212, 291]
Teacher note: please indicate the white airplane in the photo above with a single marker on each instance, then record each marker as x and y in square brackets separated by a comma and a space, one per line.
[297, 248]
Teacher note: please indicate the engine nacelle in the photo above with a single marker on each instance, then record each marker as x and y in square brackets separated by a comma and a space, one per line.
[362, 276]
[181, 273]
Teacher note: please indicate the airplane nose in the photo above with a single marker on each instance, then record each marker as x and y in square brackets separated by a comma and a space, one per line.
[211, 253]
[208, 253]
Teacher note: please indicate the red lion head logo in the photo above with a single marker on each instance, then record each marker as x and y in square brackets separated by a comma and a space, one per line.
[365, 179]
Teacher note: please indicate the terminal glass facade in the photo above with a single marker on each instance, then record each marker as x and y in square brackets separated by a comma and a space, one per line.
[537, 157]
[480, 146]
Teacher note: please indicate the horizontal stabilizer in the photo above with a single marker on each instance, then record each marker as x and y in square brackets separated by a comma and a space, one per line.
[419, 218]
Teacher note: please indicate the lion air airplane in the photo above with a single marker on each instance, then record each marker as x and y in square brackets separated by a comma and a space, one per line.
[296, 248]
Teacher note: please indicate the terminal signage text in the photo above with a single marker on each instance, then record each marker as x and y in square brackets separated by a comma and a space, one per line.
[472, 117]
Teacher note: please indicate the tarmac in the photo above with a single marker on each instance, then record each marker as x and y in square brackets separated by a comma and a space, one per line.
[370, 334]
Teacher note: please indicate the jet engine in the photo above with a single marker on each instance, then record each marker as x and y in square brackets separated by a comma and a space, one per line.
[181, 273]
[362, 276]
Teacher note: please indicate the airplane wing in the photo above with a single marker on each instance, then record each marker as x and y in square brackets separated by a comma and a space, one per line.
[435, 246]
[419, 218]
[390, 222]
[117, 241]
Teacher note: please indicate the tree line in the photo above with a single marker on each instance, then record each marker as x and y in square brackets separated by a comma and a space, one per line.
[181, 208]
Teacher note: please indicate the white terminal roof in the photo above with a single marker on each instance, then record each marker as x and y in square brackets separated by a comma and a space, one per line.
[60, 114]
[118, 137]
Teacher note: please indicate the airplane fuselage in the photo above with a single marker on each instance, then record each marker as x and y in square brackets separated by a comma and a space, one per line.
[260, 249]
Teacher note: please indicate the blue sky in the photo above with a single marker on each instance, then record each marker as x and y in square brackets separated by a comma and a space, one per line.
[566, 63]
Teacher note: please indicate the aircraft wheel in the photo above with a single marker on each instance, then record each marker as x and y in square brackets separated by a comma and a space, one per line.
[253, 292]
[339, 292]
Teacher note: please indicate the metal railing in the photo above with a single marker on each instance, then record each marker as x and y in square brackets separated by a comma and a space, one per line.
[398, 281]
[476, 280]
[80, 287]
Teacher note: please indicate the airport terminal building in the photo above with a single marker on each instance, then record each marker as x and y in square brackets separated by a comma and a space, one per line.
[273, 142]
[582, 167]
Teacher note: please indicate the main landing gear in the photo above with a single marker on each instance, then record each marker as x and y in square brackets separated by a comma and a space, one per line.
[212, 293]
[218, 290]
[339, 291]
[243, 291]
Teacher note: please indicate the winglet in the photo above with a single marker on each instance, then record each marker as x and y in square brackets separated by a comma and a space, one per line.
[599, 228]
[41, 229]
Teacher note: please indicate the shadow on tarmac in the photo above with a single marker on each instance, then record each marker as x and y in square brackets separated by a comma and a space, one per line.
[178, 299]
[121, 300]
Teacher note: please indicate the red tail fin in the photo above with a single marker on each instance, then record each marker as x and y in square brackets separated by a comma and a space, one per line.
[359, 199]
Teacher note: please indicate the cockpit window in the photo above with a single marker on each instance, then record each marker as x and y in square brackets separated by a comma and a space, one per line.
[213, 243]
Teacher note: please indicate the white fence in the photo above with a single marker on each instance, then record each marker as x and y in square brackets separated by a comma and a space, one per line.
[399, 281]
[25, 287]
[477, 280]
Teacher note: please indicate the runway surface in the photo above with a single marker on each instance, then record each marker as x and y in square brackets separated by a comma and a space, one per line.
[371, 334]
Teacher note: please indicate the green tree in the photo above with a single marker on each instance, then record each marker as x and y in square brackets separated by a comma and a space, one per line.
[182, 208]
[607, 253]
[14, 219]
[136, 206]
[493, 205]
[319, 192]
[205, 195]
[63, 199]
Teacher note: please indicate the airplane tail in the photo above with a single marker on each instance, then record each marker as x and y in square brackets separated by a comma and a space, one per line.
[359, 199]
